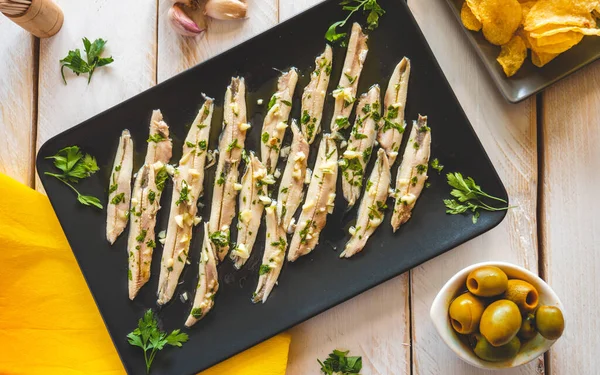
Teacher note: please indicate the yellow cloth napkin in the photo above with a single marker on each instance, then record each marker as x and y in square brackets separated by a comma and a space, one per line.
[49, 323]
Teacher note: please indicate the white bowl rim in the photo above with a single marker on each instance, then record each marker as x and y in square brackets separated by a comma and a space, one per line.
[439, 316]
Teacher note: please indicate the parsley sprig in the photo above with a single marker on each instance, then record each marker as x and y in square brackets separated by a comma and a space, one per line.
[78, 65]
[151, 339]
[340, 363]
[368, 6]
[469, 197]
[75, 166]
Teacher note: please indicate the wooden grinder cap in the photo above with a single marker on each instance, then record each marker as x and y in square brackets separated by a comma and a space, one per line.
[43, 18]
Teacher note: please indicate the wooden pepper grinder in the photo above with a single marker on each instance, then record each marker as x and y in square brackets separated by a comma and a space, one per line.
[42, 18]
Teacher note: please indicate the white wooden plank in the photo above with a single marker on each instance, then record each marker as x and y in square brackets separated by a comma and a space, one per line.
[508, 133]
[177, 53]
[569, 219]
[289, 8]
[130, 29]
[374, 325]
[17, 83]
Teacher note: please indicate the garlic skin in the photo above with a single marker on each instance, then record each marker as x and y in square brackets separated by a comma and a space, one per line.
[182, 23]
[226, 9]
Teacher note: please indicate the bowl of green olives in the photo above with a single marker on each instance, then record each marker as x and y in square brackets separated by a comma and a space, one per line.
[497, 315]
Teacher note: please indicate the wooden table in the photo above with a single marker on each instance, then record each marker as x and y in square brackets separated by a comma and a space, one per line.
[546, 149]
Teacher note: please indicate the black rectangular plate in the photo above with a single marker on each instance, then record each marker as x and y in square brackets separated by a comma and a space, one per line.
[530, 79]
[315, 282]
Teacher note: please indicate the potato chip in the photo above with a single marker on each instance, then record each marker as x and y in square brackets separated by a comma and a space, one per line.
[500, 19]
[559, 12]
[468, 18]
[555, 39]
[540, 59]
[512, 55]
[526, 7]
[568, 40]
[561, 30]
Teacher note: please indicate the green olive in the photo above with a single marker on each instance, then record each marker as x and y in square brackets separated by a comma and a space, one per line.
[465, 312]
[550, 322]
[523, 294]
[490, 353]
[500, 322]
[527, 331]
[487, 281]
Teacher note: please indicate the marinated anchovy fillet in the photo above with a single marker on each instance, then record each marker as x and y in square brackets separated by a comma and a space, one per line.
[253, 197]
[345, 94]
[276, 120]
[231, 144]
[119, 189]
[145, 203]
[360, 145]
[372, 206]
[188, 183]
[160, 146]
[291, 188]
[314, 94]
[412, 172]
[273, 257]
[319, 200]
[208, 282]
[392, 124]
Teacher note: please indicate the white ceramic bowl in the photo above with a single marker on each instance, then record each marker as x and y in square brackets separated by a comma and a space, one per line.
[439, 314]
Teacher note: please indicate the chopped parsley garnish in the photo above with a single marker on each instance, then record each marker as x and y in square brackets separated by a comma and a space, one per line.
[350, 78]
[220, 238]
[118, 198]
[156, 138]
[161, 178]
[264, 268]
[232, 145]
[305, 117]
[342, 122]
[196, 312]
[435, 164]
[265, 137]
[287, 102]
[183, 194]
[112, 188]
[142, 236]
[272, 102]
[151, 196]
[421, 168]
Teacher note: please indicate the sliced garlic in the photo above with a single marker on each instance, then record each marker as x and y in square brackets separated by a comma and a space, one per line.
[243, 126]
[408, 198]
[351, 154]
[237, 186]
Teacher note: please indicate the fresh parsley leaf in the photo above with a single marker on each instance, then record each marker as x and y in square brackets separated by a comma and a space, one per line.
[469, 197]
[78, 65]
[369, 7]
[75, 166]
[272, 102]
[339, 363]
[151, 339]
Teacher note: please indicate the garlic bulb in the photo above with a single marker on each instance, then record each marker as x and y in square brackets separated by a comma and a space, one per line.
[226, 9]
[183, 23]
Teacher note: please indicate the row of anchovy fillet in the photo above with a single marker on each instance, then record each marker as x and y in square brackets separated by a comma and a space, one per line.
[253, 192]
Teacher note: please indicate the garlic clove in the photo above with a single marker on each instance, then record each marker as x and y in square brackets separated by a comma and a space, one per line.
[226, 9]
[182, 23]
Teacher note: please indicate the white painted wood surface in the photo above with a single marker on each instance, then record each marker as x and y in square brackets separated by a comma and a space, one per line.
[16, 101]
[570, 237]
[508, 133]
[130, 29]
[378, 323]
